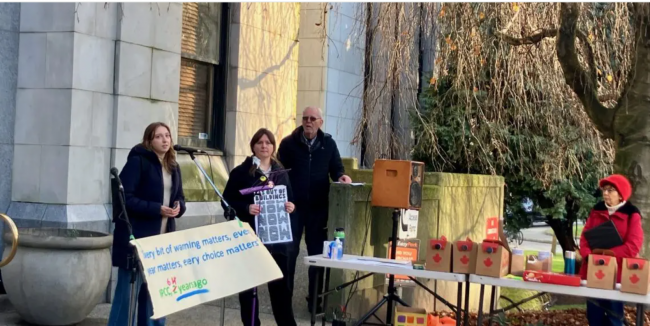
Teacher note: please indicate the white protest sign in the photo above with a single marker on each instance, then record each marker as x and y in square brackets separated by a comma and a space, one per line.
[190, 267]
[273, 224]
[410, 219]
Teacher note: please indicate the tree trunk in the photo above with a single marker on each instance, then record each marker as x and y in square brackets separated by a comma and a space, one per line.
[563, 228]
[632, 131]
[627, 123]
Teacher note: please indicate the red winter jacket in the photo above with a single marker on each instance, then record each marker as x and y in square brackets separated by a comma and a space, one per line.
[627, 220]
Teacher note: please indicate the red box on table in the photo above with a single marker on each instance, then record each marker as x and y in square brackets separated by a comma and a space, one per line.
[551, 278]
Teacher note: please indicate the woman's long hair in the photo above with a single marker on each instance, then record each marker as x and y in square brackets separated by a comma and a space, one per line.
[169, 161]
[256, 137]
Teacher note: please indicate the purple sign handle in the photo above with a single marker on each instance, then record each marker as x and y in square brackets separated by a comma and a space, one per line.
[247, 191]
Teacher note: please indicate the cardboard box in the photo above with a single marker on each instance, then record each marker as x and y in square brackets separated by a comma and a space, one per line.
[407, 316]
[464, 257]
[492, 259]
[533, 263]
[551, 278]
[517, 262]
[635, 276]
[439, 255]
[601, 272]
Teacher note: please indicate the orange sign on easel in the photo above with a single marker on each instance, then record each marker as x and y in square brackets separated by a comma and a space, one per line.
[408, 250]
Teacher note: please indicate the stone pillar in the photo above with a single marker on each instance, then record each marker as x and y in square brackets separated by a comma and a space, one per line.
[91, 77]
[64, 115]
[9, 29]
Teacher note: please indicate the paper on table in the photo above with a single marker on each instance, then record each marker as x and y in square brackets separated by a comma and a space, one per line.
[385, 260]
[382, 262]
[353, 183]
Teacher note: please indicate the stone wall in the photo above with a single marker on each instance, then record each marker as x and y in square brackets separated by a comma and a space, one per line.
[454, 205]
[312, 58]
[331, 69]
[263, 74]
[345, 69]
[147, 70]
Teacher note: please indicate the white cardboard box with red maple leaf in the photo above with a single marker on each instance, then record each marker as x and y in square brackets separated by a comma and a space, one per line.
[439, 255]
[601, 272]
[492, 259]
[464, 257]
[635, 276]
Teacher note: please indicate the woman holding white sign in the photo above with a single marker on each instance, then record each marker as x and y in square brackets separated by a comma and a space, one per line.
[267, 208]
[154, 198]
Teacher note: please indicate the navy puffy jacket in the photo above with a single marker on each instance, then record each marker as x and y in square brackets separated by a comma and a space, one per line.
[143, 190]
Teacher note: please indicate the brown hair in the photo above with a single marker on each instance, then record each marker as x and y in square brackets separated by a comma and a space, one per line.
[169, 161]
[256, 137]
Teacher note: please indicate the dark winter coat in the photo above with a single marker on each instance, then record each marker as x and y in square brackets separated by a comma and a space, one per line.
[142, 179]
[627, 220]
[312, 167]
[240, 178]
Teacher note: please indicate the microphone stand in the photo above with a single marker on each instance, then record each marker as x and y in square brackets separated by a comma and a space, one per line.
[229, 213]
[134, 260]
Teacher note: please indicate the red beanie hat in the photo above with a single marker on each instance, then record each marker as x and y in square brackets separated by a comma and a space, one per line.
[619, 182]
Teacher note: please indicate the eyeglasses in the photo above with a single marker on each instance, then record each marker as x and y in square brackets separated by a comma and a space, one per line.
[609, 190]
[312, 119]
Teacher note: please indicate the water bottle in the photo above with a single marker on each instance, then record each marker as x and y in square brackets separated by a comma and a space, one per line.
[340, 234]
[570, 262]
[336, 249]
[339, 249]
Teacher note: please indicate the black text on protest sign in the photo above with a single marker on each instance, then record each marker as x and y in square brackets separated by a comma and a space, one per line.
[202, 251]
[273, 224]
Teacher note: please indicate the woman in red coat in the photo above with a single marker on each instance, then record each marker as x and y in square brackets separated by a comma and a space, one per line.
[627, 219]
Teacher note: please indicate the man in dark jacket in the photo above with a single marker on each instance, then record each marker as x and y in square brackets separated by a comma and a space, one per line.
[314, 159]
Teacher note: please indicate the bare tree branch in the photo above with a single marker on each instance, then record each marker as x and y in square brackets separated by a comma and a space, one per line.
[590, 54]
[608, 97]
[580, 82]
[549, 33]
[531, 39]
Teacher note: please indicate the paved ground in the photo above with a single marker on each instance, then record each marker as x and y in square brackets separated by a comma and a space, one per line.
[538, 233]
[535, 238]
[201, 315]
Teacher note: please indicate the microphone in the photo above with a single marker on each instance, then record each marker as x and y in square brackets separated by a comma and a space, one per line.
[180, 148]
[117, 177]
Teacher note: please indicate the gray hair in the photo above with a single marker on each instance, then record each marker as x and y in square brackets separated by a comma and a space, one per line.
[318, 111]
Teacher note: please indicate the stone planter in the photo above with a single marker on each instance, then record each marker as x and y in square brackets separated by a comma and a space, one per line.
[58, 275]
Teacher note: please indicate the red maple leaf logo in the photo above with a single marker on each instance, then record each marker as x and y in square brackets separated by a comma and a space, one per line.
[464, 260]
[634, 279]
[488, 262]
[437, 258]
[600, 274]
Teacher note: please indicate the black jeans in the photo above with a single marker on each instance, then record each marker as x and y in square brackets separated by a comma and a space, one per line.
[605, 312]
[314, 223]
[280, 291]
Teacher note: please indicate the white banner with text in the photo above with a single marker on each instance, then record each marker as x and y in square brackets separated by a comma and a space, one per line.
[186, 268]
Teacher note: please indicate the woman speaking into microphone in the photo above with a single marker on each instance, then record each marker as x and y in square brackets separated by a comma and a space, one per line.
[255, 171]
[153, 198]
